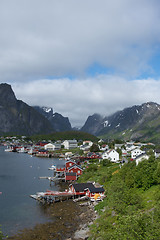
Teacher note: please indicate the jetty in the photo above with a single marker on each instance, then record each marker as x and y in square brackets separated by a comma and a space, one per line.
[77, 191]
[52, 196]
[53, 179]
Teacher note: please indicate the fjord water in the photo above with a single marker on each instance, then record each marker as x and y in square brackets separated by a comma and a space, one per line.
[19, 177]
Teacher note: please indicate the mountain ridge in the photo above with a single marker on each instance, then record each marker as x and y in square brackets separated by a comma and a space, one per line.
[136, 122]
[57, 121]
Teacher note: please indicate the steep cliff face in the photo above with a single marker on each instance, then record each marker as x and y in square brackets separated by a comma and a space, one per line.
[17, 117]
[57, 121]
[93, 124]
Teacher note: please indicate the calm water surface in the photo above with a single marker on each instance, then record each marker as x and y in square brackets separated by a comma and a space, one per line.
[19, 177]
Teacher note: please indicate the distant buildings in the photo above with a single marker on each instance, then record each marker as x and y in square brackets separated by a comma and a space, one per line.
[70, 144]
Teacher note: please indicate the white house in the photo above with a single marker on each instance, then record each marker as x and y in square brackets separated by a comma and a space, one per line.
[111, 155]
[52, 146]
[69, 144]
[141, 157]
[49, 147]
[89, 143]
[116, 146]
[104, 147]
[124, 152]
[135, 152]
[157, 153]
[84, 147]
[129, 146]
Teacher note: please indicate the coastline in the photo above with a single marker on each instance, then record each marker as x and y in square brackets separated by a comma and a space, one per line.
[72, 221]
[88, 217]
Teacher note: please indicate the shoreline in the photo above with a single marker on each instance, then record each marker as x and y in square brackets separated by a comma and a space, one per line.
[72, 221]
[82, 233]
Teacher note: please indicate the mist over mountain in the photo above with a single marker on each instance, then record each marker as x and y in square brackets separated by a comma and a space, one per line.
[136, 122]
[140, 122]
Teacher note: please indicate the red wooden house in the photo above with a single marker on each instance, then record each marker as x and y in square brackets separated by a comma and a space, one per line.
[79, 188]
[60, 168]
[90, 192]
[70, 176]
[86, 189]
[69, 164]
[93, 155]
[42, 152]
[75, 169]
[41, 144]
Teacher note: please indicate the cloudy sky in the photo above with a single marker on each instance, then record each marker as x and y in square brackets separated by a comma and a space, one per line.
[81, 57]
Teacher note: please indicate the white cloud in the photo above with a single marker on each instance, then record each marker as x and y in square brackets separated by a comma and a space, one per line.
[80, 98]
[55, 38]
[43, 41]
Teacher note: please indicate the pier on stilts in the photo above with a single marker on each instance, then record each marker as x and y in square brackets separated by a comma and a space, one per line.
[52, 196]
[53, 179]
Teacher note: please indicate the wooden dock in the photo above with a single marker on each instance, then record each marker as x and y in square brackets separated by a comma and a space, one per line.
[52, 196]
[53, 179]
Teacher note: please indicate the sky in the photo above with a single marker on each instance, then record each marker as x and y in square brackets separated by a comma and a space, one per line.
[81, 57]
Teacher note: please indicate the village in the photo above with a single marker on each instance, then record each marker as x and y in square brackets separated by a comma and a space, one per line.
[74, 163]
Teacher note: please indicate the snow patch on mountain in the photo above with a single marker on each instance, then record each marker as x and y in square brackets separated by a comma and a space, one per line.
[105, 124]
[47, 109]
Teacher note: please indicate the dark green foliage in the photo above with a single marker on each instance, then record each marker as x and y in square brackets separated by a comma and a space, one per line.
[67, 135]
[131, 209]
[145, 173]
[121, 198]
[1, 235]
[106, 162]
[91, 168]
[156, 174]
[94, 148]
[120, 152]
[138, 226]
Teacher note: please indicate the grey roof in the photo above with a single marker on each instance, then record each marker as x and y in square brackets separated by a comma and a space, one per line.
[141, 155]
[72, 141]
[80, 187]
[70, 174]
[60, 166]
[157, 150]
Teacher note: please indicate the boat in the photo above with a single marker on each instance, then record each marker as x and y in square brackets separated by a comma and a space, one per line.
[8, 149]
[53, 167]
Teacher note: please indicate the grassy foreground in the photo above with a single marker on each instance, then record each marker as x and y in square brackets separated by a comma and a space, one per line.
[131, 209]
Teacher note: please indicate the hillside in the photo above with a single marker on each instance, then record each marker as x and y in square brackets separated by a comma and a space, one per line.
[131, 209]
[66, 135]
[139, 122]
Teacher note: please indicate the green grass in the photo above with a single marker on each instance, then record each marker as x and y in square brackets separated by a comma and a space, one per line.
[128, 211]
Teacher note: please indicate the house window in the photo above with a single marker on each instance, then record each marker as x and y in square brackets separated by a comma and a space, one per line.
[78, 171]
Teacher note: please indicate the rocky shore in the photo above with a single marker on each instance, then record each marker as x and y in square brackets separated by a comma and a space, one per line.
[68, 221]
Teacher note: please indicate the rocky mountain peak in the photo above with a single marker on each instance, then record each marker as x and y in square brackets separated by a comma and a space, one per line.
[57, 121]
[7, 96]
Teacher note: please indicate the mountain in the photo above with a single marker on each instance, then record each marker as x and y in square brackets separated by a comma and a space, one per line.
[93, 124]
[139, 122]
[16, 117]
[57, 121]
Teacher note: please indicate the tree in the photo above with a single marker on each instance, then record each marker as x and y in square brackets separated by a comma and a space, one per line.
[94, 148]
